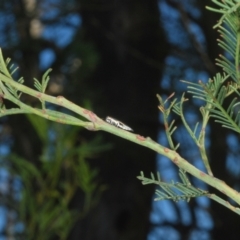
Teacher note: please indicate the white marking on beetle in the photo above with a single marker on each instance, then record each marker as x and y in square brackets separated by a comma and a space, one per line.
[118, 124]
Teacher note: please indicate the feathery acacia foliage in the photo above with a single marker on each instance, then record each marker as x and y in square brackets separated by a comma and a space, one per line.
[175, 191]
[213, 94]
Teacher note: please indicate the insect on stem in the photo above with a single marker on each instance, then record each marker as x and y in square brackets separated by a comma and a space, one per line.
[118, 124]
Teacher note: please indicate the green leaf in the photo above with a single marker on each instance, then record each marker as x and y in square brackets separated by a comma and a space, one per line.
[174, 191]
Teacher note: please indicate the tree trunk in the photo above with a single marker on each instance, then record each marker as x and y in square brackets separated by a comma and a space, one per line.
[132, 48]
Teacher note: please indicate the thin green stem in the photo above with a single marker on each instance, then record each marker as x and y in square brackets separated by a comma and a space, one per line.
[95, 123]
[45, 113]
[224, 203]
[201, 139]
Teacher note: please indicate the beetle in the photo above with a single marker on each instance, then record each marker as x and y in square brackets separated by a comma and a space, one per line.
[118, 124]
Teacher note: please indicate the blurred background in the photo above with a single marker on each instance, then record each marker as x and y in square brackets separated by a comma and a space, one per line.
[112, 57]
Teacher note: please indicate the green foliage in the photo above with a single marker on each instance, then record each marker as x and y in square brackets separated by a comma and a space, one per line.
[50, 184]
[225, 8]
[214, 93]
[166, 109]
[220, 96]
[42, 86]
[219, 89]
[175, 191]
[62, 169]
